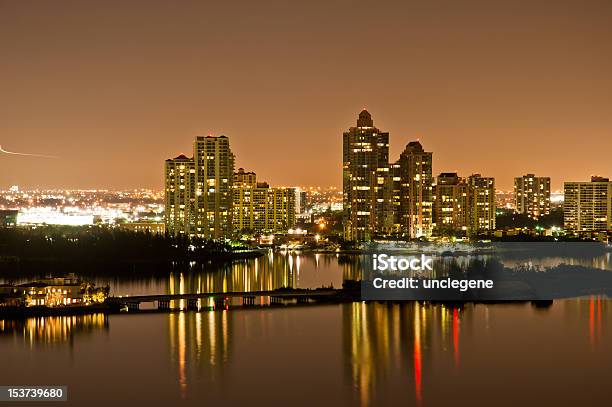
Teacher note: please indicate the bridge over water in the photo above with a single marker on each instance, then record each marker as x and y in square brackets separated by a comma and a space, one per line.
[222, 300]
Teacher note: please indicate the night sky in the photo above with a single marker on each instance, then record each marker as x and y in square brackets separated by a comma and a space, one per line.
[115, 87]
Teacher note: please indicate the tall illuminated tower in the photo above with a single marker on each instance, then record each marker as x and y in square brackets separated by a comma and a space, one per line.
[416, 191]
[365, 180]
[532, 195]
[179, 190]
[198, 190]
[214, 164]
[451, 212]
[588, 205]
[481, 202]
[259, 208]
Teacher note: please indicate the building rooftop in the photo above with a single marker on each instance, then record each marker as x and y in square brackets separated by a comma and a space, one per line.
[181, 157]
[414, 147]
[365, 119]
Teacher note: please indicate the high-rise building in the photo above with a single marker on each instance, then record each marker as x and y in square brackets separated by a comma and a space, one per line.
[214, 162]
[179, 189]
[481, 204]
[587, 206]
[415, 191]
[532, 195]
[300, 201]
[281, 209]
[259, 208]
[244, 178]
[250, 203]
[464, 206]
[451, 198]
[198, 190]
[396, 194]
[365, 180]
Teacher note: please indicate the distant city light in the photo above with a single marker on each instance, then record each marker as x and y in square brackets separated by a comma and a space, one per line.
[140, 208]
[39, 216]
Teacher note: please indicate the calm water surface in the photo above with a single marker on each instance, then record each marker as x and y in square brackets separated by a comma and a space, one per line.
[347, 354]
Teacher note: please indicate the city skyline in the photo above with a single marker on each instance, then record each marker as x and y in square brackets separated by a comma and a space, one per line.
[506, 183]
[133, 84]
[326, 202]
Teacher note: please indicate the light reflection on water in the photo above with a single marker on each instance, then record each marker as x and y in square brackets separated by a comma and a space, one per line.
[278, 270]
[307, 270]
[602, 262]
[396, 350]
[53, 329]
[368, 353]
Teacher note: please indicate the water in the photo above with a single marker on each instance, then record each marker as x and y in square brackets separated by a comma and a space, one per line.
[347, 354]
